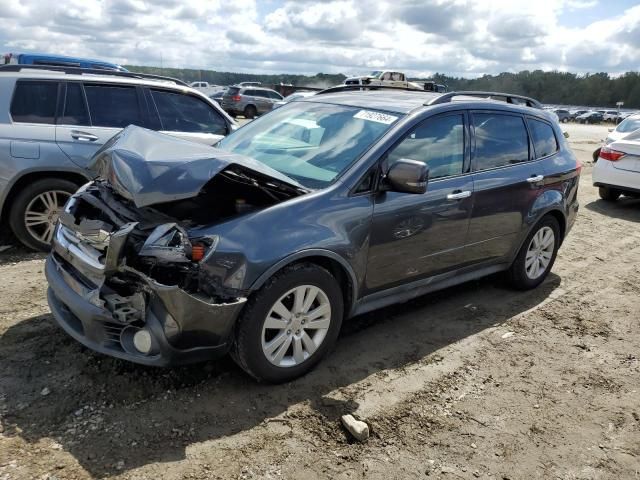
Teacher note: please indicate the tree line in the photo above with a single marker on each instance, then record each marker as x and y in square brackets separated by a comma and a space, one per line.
[562, 88]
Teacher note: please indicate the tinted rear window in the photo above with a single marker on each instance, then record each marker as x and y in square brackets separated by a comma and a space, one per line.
[544, 140]
[232, 91]
[115, 107]
[75, 108]
[35, 102]
[183, 113]
[500, 140]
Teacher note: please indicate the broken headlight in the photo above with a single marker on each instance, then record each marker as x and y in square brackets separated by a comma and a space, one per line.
[168, 242]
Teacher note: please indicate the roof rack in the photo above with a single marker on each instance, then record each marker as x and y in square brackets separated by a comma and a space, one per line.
[506, 97]
[90, 71]
[346, 88]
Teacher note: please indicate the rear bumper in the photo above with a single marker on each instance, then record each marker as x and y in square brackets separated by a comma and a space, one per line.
[183, 328]
[606, 175]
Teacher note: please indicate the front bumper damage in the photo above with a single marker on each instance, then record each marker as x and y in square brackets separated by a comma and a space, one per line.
[117, 310]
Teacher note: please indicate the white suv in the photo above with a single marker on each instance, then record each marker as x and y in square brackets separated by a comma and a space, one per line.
[53, 119]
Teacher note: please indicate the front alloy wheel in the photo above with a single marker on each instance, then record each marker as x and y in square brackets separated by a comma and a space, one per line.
[289, 324]
[296, 326]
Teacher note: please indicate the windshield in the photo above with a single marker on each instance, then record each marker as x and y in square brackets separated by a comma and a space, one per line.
[629, 125]
[375, 73]
[313, 143]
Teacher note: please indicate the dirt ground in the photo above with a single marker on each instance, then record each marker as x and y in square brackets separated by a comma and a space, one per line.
[477, 381]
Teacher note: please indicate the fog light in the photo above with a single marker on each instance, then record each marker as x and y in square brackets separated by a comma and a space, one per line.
[142, 341]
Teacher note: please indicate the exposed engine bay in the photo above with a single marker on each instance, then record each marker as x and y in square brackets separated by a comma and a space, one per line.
[157, 242]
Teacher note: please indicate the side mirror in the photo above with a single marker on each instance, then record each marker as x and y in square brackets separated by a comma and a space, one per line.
[408, 176]
[611, 130]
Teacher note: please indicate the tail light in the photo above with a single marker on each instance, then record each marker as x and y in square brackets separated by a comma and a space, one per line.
[236, 98]
[610, 154]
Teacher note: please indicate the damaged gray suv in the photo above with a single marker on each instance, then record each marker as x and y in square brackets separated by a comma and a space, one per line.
[318, 211]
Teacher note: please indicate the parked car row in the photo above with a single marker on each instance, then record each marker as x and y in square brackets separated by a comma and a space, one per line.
[589, 116]
[54, 119]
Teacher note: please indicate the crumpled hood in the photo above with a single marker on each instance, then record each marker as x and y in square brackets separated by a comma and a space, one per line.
[149, 167]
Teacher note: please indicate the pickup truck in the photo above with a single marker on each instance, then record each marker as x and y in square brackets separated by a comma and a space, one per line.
[207, 88]
[393, 79]
[384, 78]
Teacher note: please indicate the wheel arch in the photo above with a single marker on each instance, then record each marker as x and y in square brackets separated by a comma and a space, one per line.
[33, 176]
[552, 212]
[334, 263]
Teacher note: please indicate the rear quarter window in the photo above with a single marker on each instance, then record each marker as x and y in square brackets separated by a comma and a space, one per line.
[184, 113]
[34, 102]
[544, 139]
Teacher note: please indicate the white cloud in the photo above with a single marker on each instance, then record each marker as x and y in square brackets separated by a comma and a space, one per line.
[461, 37]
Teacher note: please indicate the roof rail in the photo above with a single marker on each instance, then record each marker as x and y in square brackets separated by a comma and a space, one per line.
[346, 88]
[90, 71]
[508, 98]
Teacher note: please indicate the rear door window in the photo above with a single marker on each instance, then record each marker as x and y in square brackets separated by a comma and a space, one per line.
[184, 113]
[35, 102]
[113, 106]
[544, 140]
[75, 108]
[500, 140]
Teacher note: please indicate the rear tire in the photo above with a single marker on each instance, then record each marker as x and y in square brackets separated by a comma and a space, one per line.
[536, 256]
[39, 202]
[276, 339]
[609, 194]
[250, 112]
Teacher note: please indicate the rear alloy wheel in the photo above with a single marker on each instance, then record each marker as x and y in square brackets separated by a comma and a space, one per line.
[35, 211]
[289, 324]
[250, 112]
[537, 255]
[609, 194]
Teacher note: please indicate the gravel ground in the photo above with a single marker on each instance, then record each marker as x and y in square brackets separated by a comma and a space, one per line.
[477, 381]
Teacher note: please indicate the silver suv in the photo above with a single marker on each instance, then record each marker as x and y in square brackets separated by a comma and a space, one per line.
[249, 101]
[52, 121]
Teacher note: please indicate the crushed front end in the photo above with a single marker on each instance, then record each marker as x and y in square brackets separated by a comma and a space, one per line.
[126, 281]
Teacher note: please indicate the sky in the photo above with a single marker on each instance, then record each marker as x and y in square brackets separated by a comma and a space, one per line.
[465, 38]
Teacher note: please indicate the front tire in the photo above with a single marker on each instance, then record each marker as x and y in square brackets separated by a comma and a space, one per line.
[609, 194]
[290, 324]
[35, 210]
[536, 256]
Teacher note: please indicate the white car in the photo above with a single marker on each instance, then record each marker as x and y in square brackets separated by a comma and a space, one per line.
[624, 128]
[610, 115]
[617, 171]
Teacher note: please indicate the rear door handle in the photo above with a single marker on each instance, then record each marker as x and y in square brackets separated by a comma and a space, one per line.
[83, 136]
[458, 195]
[535, 179]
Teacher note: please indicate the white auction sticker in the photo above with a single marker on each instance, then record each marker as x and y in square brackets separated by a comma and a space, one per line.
[375, 117]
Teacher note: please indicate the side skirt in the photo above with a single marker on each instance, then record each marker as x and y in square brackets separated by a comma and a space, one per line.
[404, 293]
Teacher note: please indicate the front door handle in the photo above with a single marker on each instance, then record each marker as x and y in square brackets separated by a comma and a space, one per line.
[458, 195]
[535, 179]
[83, 136]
